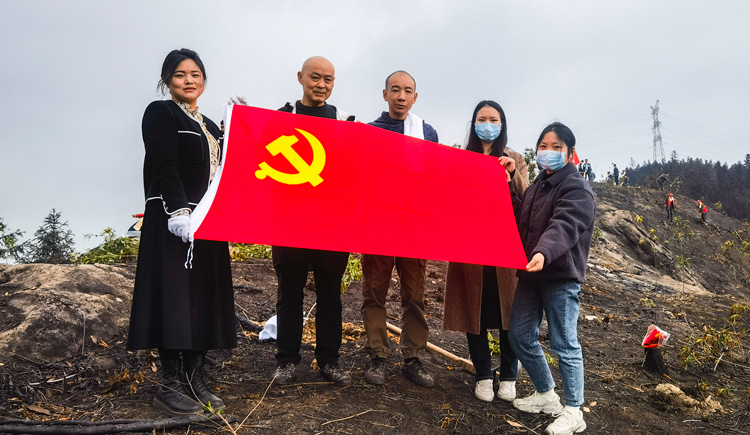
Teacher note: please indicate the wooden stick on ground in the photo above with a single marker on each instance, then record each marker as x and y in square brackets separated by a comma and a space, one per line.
[104, 427]
[465, 363]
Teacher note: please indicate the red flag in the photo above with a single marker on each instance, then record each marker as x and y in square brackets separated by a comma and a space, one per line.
[301, 181]
[575, 158]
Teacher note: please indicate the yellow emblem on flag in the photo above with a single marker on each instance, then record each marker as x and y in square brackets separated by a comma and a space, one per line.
[305, 173]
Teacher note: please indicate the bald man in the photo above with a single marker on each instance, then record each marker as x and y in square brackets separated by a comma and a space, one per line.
[292, 264]
[400, 93]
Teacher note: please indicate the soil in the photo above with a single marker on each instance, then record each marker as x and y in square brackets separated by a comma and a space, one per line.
[633, 281]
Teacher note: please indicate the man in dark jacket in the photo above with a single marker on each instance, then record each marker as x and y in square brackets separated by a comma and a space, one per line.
[292, 264]
[661, 179]
[401, 93]
[616, 173]
[587, 170]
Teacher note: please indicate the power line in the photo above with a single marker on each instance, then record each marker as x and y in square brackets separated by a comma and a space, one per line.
[712, 145]
[704, 128]
[706, 135]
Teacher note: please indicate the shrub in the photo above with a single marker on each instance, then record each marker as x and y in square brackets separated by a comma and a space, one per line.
[113, 250]
[244, 252]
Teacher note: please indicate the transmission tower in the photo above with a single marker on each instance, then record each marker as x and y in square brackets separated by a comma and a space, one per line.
[658, 145]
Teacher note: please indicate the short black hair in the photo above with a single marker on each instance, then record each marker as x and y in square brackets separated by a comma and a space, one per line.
[564, 135]
[498, 145]
[170, 64]
[400, 71]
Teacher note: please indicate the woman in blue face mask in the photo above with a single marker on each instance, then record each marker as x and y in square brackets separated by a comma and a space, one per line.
[556, 221]
[478, 298]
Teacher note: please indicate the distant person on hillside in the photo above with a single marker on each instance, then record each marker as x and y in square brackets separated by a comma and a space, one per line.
[670, 207]
[400, 93]
[556, 223]
[581, 169]
[477, 297]
[616, 174]
[703, 210]
[587, 170]
[661, 179]
[624, 178]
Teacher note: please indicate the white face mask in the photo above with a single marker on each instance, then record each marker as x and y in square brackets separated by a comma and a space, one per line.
[551, 160]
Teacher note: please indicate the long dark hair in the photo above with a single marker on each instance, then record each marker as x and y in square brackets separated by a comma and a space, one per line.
[170, 64]
[498, 146]
[564, 135]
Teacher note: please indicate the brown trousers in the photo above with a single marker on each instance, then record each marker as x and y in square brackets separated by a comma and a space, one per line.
[377, 271]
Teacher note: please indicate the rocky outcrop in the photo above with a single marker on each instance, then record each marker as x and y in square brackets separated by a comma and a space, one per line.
[50, 311]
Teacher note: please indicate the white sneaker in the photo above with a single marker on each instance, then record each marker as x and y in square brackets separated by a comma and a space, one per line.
[484, 391]
[547, 403]
[568, 422]
[507, 391]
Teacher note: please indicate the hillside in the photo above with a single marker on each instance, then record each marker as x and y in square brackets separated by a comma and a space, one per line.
[639, 273]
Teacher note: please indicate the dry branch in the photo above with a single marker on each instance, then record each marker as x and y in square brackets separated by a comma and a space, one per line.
[347, 418]
[102, 427]
[247, 323]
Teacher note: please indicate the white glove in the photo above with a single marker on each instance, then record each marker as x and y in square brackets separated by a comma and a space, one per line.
[179, 226]
[237, 99]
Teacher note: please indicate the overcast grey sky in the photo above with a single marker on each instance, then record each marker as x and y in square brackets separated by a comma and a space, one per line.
[77, 76]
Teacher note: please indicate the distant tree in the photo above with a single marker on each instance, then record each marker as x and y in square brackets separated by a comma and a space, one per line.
[632, 164]
[674, 158]
[52, 243]
[530, 156]
[710, 181]
[9, 246]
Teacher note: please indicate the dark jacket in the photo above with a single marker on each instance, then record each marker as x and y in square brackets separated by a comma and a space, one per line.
[174, 307]
[387, 123]
[557, 219]
[317, 259]
[177, 164]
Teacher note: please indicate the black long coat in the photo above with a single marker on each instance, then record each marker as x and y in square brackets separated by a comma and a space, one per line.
[174, 307]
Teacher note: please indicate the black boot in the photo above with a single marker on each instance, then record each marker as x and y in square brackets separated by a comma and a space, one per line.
[195, 378]
[172, 396]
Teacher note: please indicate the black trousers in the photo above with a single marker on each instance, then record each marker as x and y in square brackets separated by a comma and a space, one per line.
[669, 213]
[491, 317]
[292, 276]
[479, 349]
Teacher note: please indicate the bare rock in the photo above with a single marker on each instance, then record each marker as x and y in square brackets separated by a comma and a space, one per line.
[44, 308]
[675, 398]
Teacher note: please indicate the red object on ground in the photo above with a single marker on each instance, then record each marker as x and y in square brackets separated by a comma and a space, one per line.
[301, 181]
[655, 337]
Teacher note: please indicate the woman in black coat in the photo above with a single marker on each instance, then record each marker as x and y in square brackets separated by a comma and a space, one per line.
[181, 311]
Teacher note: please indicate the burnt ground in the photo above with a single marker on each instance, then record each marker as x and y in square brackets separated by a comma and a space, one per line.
[634, 280]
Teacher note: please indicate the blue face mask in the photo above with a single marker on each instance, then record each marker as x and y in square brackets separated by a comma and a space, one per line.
[550, 160]
[488, 131]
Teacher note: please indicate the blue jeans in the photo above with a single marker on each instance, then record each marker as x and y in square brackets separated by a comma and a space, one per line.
[559, 299]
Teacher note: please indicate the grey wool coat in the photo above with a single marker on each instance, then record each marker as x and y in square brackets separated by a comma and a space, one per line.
[463, 287]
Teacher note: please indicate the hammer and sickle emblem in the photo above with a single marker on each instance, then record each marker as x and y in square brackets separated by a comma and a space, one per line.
[305, 173]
